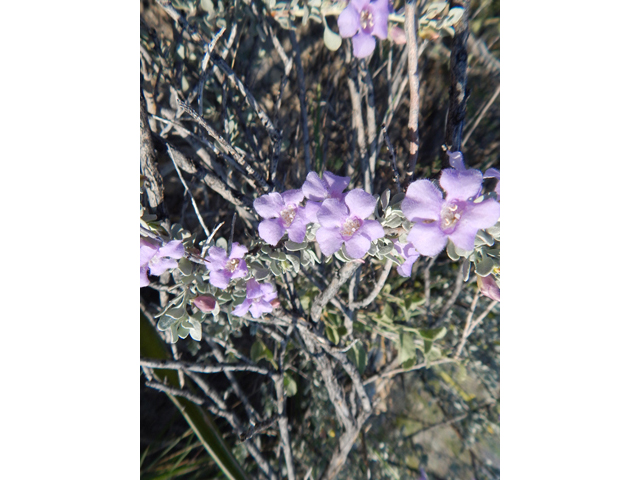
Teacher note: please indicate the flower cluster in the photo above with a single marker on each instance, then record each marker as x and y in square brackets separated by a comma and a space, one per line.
[342, 217]
[457, 217]
[157, 259]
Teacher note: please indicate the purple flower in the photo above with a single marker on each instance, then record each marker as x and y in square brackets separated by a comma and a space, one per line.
[409, 254]
[344, 222]
[284, 214]
[319, 189]
[205, 303]
[489, 287]
[456, 217]
[258, 299]
[157, 259]
[362, 19]
[222, 268]
[494, 173]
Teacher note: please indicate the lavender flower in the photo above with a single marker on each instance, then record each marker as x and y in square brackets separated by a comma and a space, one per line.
[319, 189]
[456, 217]
[362, 19]
[222, 268]
[158, 259]
[489, 287]
[284, 214]
[494, 173]
[344, 222]
[409, 254]
[258, 299]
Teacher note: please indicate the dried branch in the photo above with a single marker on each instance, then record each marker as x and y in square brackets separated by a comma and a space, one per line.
[148, 164]
[458, 81]
[481, 115]
[303, 104]
[324, 297]
[196, 367]
[412, 73]
[376, 289]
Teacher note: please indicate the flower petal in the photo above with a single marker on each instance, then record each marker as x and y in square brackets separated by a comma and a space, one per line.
[268, 291]
[237, 251]
[242, 309]
[361, 204]
[332, 213]
[173, 249]
[298, 230]
[309, 213]
[481, 215]
[293, 197]
[148, 250]
[380, 10]
[162, 265]
[216, 258]
[492, 173]
[428, 239]
[405, 269]
[461, 185]
[271, 231]
[456, 161]
[219, 278]
[372, 230]
[241, 270]
[363, 45]
[357, 246]
[144, 280]
[336, 184]
[314, 188]
[359, 5]
[259, 307]
[422, 202]
[253, 289]
[349, 21]
[270, 205]
[329, 240]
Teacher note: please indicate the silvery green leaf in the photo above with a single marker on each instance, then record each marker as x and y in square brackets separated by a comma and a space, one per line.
[315, 15]
[185, 266]
[392, 221]
[305, 16]
[462, 252]
[466, 268]
[165, 323]
[221, 23]
[393, 258]
[294, 247]
[201, 285]
[451, 251]
[407, 225]
[485, 266]
[271, 4]
[174, 333]
[313, 255]
[397, 199]
[403, 238]
[384, 199]
[275, 269]
[266, 249]
[295, 262]
[435, 9]
[483, 238]
[207, 5]
[221, 242]
[224, 297]
[385, 248]
[176, 313]
[449, 30]
[182, 332]
[492, 252]
[196, 331]
[494, 231]
[340, 255]
[260, 273]
[373, 249]
[315, 3]
[455, 14]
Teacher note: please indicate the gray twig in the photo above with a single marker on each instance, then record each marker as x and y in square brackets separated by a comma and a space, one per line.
[196, 367]
[325, 296]
[376, 289]
[480, 116]
[414, 100]
[303, 103]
